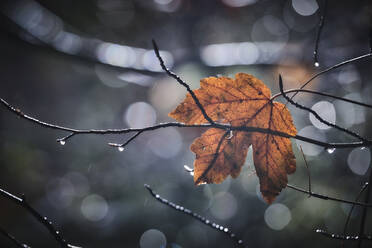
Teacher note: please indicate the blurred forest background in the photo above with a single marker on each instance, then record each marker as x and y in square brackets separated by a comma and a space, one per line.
[90, 64]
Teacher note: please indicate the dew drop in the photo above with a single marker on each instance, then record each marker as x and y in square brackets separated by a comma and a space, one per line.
[57, 232]
[333, 235]
[318, 230]
[120, 148]
[62, 142]
[316, 64]
[207, 222]
[231, 134]
[240, 241]
[331, 150]
[363, 148]
[189, 170]
[356, 237]
[226, 229]
[157, 196]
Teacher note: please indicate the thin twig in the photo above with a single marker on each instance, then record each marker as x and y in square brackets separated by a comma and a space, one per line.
[121, 146]
[342, 237]
[332, 68]
[13, 239]
[180, 81]
[365, 210]
[307, 169]
[316, 115]
[319, 31]
[43, 220]
[196, 216]
[351, 210]
[322, 94]
[326, 197]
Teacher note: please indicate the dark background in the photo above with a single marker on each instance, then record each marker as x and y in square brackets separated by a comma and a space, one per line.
[83, 64]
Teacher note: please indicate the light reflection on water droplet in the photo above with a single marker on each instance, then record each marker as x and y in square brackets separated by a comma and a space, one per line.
[316, 64]
[62, 142]
[231, 134]
[120, 148]
[331, 150]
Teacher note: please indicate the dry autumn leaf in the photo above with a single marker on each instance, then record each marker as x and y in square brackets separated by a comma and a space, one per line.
[243, 101]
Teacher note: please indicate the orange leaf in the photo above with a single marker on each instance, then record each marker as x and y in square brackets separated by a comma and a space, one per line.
[243, 101]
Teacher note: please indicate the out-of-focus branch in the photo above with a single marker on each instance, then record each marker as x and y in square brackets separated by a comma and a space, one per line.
[21, 201]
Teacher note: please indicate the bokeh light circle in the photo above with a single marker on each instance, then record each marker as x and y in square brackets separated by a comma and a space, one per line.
[153, 238]
[277, 216]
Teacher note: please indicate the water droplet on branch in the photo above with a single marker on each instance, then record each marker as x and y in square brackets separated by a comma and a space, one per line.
[62, 142]
[120, 148]
[331, 150]
[316, 64]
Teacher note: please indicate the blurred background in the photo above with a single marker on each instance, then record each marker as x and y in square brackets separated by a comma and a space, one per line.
[90, 64]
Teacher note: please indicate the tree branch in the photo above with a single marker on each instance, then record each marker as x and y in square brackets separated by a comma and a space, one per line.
[183, 83]
[43, 220]
[13, 239]
[226, 127]
[316, 115]
[351, 210]
[325, 197]
[196, 216]
[364, 212]
[345, 62]
[342, 237]
[319, 31]
[322, 94]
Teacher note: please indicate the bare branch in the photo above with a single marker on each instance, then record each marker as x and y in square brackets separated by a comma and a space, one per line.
[325, 197]
[43, 220]
[345, 62]
[13, 239]
[319, 31]
[352, 208]
[322, 94]
[183, 83]
[342, 237]
[196, 216]
[121, 146]
[316, 115]
[226, 127]
[307, 169]
[364, 212]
